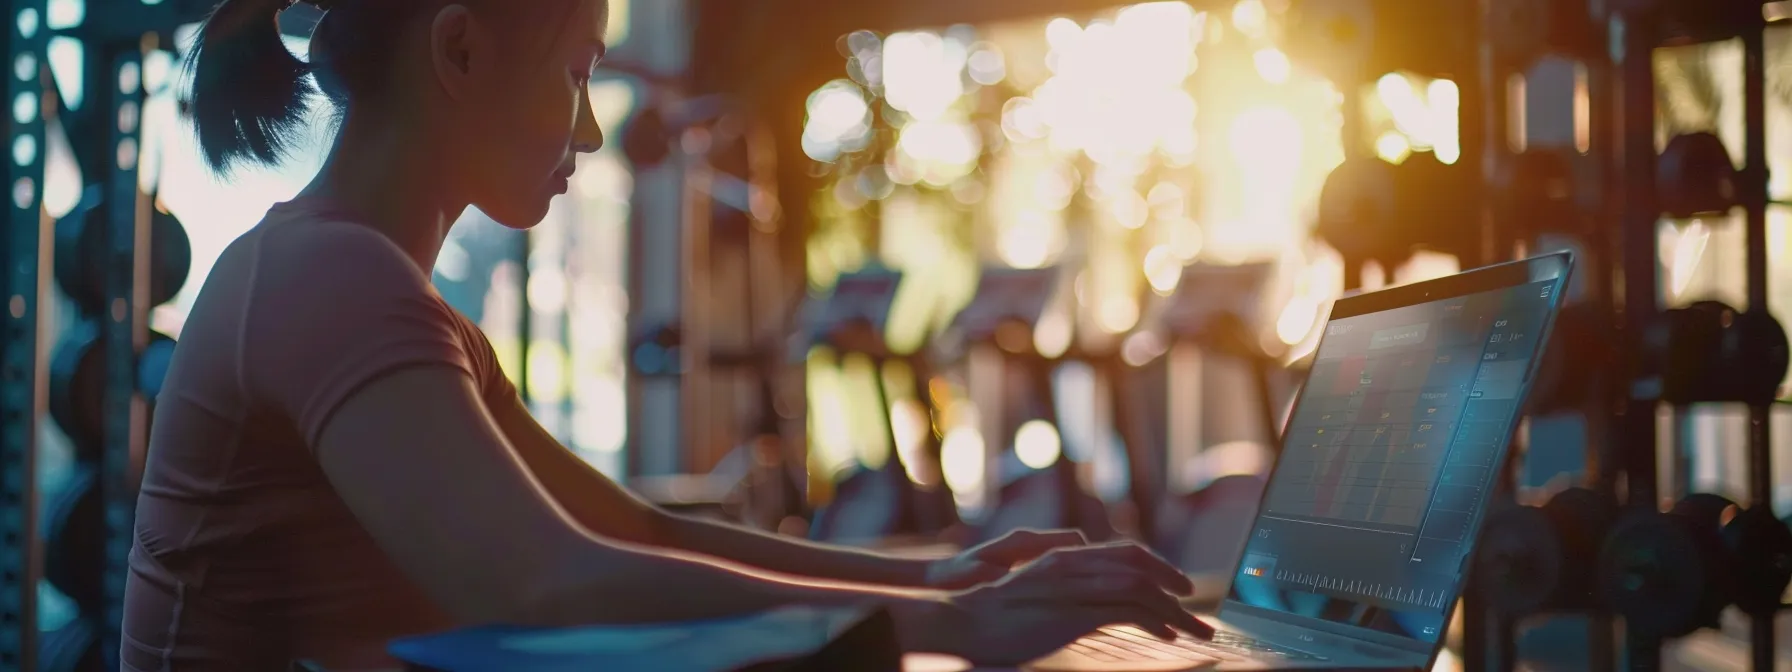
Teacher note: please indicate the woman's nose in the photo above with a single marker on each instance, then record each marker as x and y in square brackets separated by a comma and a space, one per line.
[587, 143]
[587, 137]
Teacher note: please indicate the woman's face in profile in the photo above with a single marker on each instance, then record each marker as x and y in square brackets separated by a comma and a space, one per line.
[533, 117]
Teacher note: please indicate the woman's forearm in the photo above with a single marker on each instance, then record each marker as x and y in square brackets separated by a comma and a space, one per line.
[621, 586]
[791, 556]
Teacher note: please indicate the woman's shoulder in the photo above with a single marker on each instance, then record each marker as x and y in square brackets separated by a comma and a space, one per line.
[296, 249]
[296, 232]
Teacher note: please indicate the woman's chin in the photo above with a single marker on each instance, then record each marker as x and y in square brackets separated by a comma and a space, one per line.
[520, 218]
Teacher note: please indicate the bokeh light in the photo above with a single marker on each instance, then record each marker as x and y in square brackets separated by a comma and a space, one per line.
[1037, 444]
[839, 121]
[962, 461]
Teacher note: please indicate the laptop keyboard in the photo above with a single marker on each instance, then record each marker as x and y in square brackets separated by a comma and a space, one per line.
[1124, 643]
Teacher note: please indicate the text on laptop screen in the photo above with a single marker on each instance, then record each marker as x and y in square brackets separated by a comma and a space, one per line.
[1368, 515]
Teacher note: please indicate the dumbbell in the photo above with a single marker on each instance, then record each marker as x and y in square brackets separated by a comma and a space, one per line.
[152, 365]
[78, 383]
[1686, 342]
[74, 541]
[1357, 215]
[1433, 206]
[78, 386]
[1758, 549]
[1694, 177]
[647, 139]
[1710, 352]
[1668, 574]
[84, 255]
[1756, 353]
[70, 648]
[1533, 559]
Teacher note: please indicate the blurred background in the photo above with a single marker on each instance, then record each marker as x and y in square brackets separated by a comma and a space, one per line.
[912, 274]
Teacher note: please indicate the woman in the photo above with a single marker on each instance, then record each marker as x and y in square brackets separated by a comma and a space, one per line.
[337, 459]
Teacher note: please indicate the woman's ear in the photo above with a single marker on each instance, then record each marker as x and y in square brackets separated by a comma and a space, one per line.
[454, 46]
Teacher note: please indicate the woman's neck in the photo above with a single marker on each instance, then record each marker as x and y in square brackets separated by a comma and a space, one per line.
[392, 182]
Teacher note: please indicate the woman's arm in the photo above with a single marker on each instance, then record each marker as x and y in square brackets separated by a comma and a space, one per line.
[451, 503]
[789, 555]
[606, 509]
[371, 368]
[590, 498]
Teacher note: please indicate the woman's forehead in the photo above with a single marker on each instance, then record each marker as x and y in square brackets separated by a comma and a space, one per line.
[571, 25]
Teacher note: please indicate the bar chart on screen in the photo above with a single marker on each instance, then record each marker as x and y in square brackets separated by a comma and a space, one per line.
[1389, 593]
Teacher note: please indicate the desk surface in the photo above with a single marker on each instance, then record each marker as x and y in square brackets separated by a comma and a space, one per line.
[1210, 589]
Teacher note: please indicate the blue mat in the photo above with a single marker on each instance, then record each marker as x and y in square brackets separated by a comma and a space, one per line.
[709, 646]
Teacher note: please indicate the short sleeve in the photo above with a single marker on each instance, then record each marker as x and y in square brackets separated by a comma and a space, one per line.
[494, 385]
[333, 307]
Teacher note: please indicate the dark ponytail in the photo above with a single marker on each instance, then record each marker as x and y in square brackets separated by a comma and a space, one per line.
[250, 92]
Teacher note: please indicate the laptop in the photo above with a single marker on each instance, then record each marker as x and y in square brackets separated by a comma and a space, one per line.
[1367, 527]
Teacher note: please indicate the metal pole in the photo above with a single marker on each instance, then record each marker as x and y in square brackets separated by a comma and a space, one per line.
[1487, 639]
[23, 391]
[126, 332]
[1633, 53]
[1602, 434]
[1753, 193]
[1640, 215]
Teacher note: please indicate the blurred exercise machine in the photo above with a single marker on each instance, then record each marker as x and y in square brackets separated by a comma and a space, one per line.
[1213, 313]
[870, 503]
[740, 302]
[1005, 331]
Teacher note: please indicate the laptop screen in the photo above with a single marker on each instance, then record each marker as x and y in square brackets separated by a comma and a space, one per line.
[1370, 512]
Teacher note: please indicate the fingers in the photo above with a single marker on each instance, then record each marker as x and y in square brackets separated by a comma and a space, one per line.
[1120, 614]
[1113, 584]
[1167, 609]
[1127, 554]
[1024, 545]
[1195, 627]
[1167, 575]
[981, 572]
[1100, 581]
[1163, 619]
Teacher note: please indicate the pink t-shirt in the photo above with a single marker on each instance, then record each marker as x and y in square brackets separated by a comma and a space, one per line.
[245, 558]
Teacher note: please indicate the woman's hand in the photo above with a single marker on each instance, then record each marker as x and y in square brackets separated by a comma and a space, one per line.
[1065, 594]
[992, 560]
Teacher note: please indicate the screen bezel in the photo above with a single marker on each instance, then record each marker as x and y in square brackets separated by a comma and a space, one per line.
[1555, 267]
